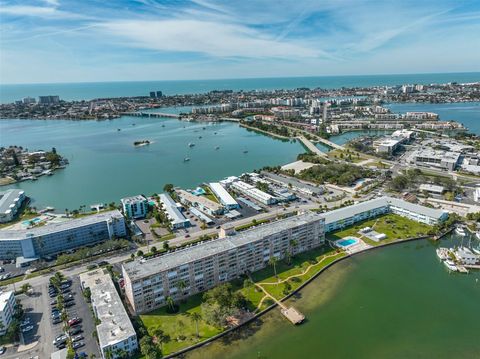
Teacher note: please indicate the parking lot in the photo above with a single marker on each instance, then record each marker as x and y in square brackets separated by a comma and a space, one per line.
[80, 310]
[38, 341]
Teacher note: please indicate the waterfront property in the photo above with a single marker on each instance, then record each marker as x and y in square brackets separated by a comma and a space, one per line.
[225, 198]
[135, 207]
[176, 218]
[7, 310]
[115, 330]
[347, 216]
[201, 202]
[41, 241]
[10, 202]
[148, 283]
[440, 159]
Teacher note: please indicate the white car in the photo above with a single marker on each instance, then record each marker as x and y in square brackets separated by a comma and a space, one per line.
[27, 329]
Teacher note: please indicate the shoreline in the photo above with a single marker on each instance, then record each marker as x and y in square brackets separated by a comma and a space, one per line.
[303, 285]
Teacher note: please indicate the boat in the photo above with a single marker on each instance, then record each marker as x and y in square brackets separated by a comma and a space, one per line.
[191, 144]
[477, 234]
[442, 253]
[245, 151]
[217, 147]
[450, 265]
[200, 137]
[214, 133]
[186, 159]
[163, 125]
[476, 250]
[119, 129]
[460, 231]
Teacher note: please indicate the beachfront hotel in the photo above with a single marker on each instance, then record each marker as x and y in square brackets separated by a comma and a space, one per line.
[53, 238]
[115, 330]
[135, 207]
[347, 216]
[198, 268]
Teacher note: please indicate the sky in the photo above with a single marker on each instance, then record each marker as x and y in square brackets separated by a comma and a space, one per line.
[119, 40]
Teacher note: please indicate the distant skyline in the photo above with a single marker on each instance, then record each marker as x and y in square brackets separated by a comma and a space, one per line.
[47, 41]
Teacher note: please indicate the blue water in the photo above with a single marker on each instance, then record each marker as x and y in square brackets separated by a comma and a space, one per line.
[466, 113]
[90, 90]
[346, 242]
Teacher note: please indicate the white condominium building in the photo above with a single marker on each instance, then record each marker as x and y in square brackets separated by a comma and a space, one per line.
[7, 310]
[115, 331]
[195, 269]
[253, 192]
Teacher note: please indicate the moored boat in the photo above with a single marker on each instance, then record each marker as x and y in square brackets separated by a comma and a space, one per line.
[450, 265]
[460, 231]
[442, 253]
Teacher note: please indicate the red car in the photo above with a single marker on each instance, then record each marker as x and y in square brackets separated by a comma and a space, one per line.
[74, 321]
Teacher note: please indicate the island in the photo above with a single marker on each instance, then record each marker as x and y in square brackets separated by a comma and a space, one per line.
[19, 164]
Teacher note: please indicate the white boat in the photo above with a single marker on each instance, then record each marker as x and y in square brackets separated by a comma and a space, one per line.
[460, 231]
[477, 234]
[442, 253]
[450, 265]
[476, 250]
[186, 159]
[191, 144]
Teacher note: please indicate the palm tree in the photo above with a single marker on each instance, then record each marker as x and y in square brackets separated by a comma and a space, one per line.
[182, 285]
[273, 262]
[170, 303]
[196, 317]
[288, 255]
[160, 336]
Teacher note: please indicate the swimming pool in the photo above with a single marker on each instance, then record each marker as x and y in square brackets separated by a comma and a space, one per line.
[346, 242]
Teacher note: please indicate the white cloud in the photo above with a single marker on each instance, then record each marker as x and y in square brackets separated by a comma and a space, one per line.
[211, 38]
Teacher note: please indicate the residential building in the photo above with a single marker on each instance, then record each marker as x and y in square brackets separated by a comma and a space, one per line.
[176, 218]
[347, 216]
[48, 100]
[148, 283]
[201, 202]
[59, 237]
[115, 330]
[431, 188]
[222, 194]
[7, 310]
[10, 202]
[135, 207]
[253, 192]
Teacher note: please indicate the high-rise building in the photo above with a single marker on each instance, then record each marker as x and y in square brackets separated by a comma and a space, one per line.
[152, 94]
[7, 310]
[198, 268]
[48, 100]
[135, 207]
[159, 93]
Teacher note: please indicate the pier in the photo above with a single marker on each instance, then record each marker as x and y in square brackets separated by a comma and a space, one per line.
[151, 114]
[292, 314]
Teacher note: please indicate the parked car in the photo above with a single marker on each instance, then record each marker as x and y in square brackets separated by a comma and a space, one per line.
[69, 304]
[56, 320]
[103, 263]
[61, 345]
[77, 345]
[3, 350]
[60, 338]
[53, 302]
[2, 269]
[75, 331]
[74, 321]
[77, 338]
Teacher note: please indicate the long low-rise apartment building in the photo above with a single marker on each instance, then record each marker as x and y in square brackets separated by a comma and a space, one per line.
[185, 272]
[222, 194]
[201, 202]
[115, 330]
[54, 238]
[176, 218]
[253, 192]
[347, 216]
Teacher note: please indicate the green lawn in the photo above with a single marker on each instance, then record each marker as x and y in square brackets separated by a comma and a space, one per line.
[179, 324]
[394, 226]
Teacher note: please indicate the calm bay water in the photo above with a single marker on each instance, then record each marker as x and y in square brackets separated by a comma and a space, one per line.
[395, 302]
[105, 166]
[86, 90]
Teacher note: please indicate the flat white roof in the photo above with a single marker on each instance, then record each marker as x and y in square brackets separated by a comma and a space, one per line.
[175, 216]
[204, 201]
[115, 324]
[222, 194]
[4, 298]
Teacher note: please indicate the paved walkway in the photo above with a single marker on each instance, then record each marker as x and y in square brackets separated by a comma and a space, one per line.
[311, 147]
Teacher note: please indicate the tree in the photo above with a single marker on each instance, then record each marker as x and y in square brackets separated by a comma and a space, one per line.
[273, 262]
[153, 249]
[170, 303]
[196, 317]
[25, 287]
[287, 288]
[147, 347]
[160, 336]
[168, 188]
[182, 285]
[248, 284]
[140, 253]
[166, 246]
